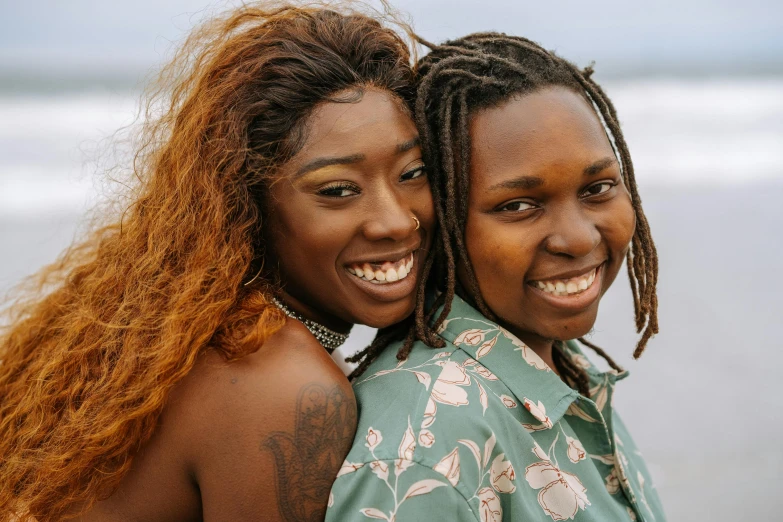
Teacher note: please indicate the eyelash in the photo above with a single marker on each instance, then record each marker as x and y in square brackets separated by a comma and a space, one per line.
[609, 184]
[329, 190]
[421, 170]
[586, 194]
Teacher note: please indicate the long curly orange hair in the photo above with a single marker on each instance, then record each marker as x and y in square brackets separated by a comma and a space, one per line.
[96, 341]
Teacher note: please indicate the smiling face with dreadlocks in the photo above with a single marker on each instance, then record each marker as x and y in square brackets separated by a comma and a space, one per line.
[549, 220]
[536, 207]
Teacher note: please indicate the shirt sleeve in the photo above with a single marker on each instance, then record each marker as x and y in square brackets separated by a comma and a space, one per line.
[379, 490]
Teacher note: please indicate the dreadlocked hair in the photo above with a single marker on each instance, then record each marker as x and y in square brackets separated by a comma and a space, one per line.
[93, 345]
[454, 81]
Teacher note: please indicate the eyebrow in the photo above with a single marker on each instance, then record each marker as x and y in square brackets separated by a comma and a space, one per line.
[522, 182]
[408, 145]
[599, 165]
[320, 163]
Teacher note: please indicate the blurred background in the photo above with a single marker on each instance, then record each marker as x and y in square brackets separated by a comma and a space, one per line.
[698, 85]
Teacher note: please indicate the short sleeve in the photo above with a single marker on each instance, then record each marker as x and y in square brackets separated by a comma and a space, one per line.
[379, 490]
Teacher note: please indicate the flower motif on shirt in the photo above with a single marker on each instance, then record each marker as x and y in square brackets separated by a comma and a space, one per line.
[449, 466]
[539, 412]
[373, 438]
[576, 451]
[471, 337]
[452, 384]
[508, 402]
[426, 438]
[494, 478]
[478, 337]
[562, 494]
[380, 468]
[422, 376]
[489, 506]
[612, 482]
[449, 386]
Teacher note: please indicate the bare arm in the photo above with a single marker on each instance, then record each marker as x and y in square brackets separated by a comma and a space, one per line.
[274, 430]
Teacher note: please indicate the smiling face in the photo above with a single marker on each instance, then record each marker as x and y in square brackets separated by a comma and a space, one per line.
[549, 218]
[341, 223]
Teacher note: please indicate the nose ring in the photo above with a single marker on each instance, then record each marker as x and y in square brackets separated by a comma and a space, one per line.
[418, 225]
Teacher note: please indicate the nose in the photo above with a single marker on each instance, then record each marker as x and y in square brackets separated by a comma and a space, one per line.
[573, 234]
[389, 217]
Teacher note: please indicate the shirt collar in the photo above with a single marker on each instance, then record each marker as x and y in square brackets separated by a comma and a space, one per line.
[528, 377]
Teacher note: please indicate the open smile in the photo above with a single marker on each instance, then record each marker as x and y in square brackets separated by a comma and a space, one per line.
[386, 280]
[384, 272]
[576, 292]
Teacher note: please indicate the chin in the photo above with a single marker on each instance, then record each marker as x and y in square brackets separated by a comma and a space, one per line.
[383, 316]
[571, 329]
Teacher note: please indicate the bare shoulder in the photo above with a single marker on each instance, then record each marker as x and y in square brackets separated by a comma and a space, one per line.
[268, 431]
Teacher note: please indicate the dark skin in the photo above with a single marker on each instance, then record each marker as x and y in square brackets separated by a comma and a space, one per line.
[547, 203]
[349, 197]
[263, 437]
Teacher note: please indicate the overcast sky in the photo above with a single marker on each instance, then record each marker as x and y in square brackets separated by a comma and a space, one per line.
[51, 36]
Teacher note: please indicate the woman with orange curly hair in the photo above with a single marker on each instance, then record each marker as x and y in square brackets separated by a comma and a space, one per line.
[153, 375]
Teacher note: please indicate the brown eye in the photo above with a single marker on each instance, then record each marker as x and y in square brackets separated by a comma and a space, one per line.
[598, 188]
[516, 206]
[338, 191]
[413, 174]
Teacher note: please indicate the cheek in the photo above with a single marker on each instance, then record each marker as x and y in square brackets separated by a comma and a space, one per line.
[497, 253]
[422, 207]
[619, 225]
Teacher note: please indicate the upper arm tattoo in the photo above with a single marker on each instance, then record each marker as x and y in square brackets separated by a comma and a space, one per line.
[307, 461]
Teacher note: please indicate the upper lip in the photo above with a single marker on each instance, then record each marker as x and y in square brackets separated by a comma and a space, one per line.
[392, 256]
[569, 274]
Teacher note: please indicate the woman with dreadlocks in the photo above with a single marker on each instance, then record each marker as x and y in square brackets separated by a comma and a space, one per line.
[483, 406]
[157, 377]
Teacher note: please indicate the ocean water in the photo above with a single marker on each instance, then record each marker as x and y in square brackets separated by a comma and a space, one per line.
[725, 131]
[701, 402]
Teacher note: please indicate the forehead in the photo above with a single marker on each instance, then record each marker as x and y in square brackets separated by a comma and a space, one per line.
[550, 127]
[351, 127]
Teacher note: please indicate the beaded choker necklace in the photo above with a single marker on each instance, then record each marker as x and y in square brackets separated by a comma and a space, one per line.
[327, 337]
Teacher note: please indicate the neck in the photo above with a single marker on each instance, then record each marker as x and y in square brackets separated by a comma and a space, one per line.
[314, 314]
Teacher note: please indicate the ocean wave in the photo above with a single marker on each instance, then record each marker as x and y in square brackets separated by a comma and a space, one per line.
[725, 131]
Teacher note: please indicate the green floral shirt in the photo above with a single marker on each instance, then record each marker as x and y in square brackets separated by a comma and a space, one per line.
[483, 430]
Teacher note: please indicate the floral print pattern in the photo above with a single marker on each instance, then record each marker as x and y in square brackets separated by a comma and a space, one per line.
[464, 420]
[562, 494]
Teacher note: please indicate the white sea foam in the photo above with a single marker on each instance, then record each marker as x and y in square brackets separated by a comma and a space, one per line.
[726, 131]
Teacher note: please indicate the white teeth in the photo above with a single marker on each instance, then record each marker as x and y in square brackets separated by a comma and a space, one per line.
[399, 270]
[571, 286]
[368, 273]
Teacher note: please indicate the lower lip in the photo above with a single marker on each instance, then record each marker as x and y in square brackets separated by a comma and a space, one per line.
[578, 301]
[389, 292]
